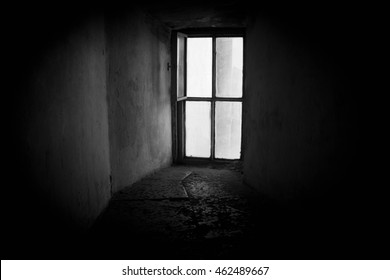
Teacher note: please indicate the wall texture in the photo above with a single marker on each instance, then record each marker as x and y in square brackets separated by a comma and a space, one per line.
[309, 140]
[65, 130]
[299, 115]
[90, 99]
[138, 97]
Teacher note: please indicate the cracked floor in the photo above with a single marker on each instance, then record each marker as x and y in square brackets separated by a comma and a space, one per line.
[181, 212]
[204, 212]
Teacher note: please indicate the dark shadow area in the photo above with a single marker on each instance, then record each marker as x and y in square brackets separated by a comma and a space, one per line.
[223, 218]
[62, 204]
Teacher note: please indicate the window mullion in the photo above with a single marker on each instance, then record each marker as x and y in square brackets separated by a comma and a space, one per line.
[213, 100]
[183, 126]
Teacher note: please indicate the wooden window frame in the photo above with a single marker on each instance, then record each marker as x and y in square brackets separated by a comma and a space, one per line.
[178, 103]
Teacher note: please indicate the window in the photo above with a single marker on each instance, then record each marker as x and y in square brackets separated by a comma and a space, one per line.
[208, 95]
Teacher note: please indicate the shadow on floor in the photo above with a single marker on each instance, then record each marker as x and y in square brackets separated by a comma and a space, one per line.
[207, 212]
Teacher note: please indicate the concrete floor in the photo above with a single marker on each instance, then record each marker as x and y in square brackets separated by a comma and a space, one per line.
[188, 212]
[207, 212]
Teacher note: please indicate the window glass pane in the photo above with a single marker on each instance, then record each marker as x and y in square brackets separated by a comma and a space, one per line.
[229, 65]
[199, 67]
[180, 66]
[228, 130]
[198, 129]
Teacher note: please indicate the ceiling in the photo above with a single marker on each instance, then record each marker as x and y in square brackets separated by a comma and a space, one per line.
[197, 14]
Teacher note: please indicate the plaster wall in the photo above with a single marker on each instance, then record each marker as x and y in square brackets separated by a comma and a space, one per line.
[299, 114]
[138, 97]
[64, 135]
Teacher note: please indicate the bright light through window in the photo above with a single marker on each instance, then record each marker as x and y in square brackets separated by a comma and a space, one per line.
[229, 65]
[198, 129]
[199, 67]
[228, 130]
[213, 89]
